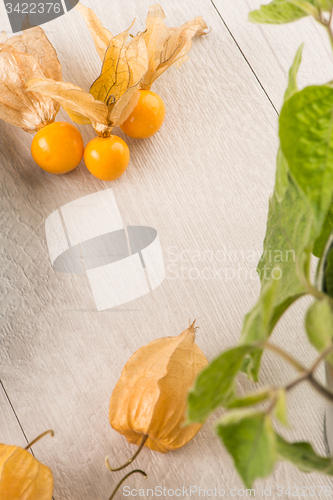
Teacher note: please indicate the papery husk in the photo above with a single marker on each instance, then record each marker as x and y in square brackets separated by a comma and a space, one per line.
[29, 55]
[35, 43]
[74, 99]
[168, 46]
[151, 395]
[114, 94]
[100, 35]
[125, 65]
[22, 477]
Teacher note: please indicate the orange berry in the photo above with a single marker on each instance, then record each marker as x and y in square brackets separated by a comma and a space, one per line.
[147, 117]
[57, 148]
[107, 158]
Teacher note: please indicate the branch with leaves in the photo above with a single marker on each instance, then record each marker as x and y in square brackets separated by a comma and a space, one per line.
[300, 221]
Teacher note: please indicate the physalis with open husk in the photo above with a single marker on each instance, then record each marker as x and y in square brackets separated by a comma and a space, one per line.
[121, 95]
[111, 99]
[56, 147]
[148, 404]
[166, 47]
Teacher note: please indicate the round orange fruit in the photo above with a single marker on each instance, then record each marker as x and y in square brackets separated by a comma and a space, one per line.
[107, 157]
[147, 117]
[58, 148]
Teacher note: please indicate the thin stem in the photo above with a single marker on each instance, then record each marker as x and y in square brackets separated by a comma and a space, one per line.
[124, 479]
[297, 381]
[327, 24]
[144, 439]
[285, 355]
[38, 438]
[320, 358]
[321, 389]
[312, 290]
[308, 377]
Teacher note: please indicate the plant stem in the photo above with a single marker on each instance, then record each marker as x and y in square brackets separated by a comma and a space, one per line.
[144, 439]
[124, 479]
[311, 290]
[39, 437]
[297, 381]
[321, 357]
[308, 376]
[321, 389]
[327, 25]
[285, 355]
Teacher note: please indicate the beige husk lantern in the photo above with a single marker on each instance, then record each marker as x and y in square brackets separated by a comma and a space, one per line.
[149, 401]
[30, 55]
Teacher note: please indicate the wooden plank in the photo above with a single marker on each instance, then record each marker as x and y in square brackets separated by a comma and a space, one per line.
[203, 183]
[10, 430]
[270, 49]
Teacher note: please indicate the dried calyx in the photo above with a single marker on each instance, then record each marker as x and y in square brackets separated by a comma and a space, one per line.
[128, 66]
[22, 476]
[148, 404]
[30, 55]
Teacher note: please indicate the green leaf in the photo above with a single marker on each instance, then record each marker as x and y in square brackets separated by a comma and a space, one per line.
[325, 4]
[284, 265]
[257, 325]
[306, 134]
[322, 239]
[215, 385]
[303, 457]
[292, 81]
[328, 273]
[251, 399]
[281, 177]
[250, 439]
[319, 325]
[280, 410]
[301, 200]
[282, 11]
[308, 6]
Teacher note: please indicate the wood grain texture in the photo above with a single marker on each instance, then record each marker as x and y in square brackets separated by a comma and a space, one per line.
[203, 182]
[270, 49]
[10, 431]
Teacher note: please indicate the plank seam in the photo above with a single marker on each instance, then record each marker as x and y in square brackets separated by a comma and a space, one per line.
[244, 56]
[13, 410]
[16, 416]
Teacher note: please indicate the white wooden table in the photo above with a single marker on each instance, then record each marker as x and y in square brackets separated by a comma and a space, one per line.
[203, 183]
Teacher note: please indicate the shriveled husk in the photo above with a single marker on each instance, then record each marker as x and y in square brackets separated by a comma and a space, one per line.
[30, 55]
[151, 395]
[22, 477]
[168, 46]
